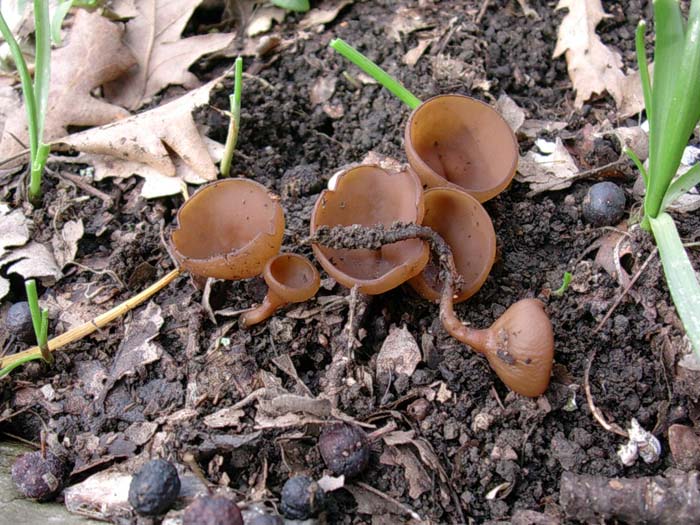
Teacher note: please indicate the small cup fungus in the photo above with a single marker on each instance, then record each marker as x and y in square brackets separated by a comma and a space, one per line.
[455, 140]
[519, 345]
[228, 229]
[466, 227]
[370, 196]
[290, 278]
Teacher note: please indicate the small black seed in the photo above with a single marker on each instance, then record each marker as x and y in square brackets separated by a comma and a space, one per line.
[212, 510]
[19, 322]
[345, 449]
[154, 488]
[38, 477]
[301, 498]
[604, 204]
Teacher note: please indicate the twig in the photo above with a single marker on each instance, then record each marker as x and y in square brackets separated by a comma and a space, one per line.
[597, 414]
[625, 291]
[482, 11]
[80, 183]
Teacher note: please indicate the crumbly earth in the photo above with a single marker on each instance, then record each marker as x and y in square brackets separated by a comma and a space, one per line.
[482, 435]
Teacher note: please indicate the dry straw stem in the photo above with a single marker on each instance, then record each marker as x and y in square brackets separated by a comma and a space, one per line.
[95, 324]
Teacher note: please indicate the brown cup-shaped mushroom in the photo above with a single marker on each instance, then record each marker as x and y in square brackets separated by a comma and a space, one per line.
[228, 229]
[457, 140]
[466, 227]
[290, 278]
[370, 196]
[519, 345]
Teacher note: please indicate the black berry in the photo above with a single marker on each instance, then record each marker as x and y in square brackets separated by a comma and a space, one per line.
[154, 488]
[212, 510]
[604, 204]
[38, 477]
[301, 498]
[19, 322]
[345, 449]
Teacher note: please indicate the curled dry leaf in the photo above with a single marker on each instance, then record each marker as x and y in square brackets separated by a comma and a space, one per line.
[137, 145]
[31, 260]
[513, 114]
[419, 481]
[324, 13]
[552, 168]
[153, 36]
[93, 55]
[593, 67]
[65, 242]
[399, 354]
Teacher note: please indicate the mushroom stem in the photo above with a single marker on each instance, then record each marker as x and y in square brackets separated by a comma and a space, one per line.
[263, 311]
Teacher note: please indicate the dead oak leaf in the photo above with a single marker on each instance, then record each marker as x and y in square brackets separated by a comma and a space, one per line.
[92, 56]
[552, 168]
[142, 142]
[154, 37]
[593, 67]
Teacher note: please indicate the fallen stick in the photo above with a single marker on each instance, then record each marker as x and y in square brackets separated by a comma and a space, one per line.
[672, 499]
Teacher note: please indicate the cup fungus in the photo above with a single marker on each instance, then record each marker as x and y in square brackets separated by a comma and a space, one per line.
[290, 278]
[454, 140]
[519, 345]
[370, 196]
[228, 229]
[466, 227]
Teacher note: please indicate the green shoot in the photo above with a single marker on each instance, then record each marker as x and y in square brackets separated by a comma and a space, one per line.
[566, 281]
[235, 118]
[377, 73]
[40, 320]
[673, 111]
[9, 368]
[35, 92]
[301, 6]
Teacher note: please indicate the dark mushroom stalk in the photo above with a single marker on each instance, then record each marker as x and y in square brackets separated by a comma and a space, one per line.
[519, 345]
[291, 278]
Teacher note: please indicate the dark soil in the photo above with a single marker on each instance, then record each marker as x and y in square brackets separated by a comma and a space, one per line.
[483, 435]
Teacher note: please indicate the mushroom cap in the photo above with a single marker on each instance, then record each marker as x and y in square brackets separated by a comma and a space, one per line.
[291, 277]
[522, 347]
[369, 196]
[466, 227]
[228, 229]
[457, 140]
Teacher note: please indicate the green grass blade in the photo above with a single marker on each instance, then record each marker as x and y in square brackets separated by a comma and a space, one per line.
[9, 368]
[685, 110]
[301, 6]
[639, 164]
[42, 62]
[643, 66]
[680, 276]
[668, 49]
[26, 79]
[59, 15]
[376, 72]
[235, 120]
[34, 308]
[682, 185]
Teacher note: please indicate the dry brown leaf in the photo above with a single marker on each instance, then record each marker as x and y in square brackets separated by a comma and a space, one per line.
[92, 56]
[324, 13]
[551, 169]
[137, 349]
[31, 260]
[593, 67]
[163, 57]
[65, 243]
[513, 114]
[399, 354]
[419, 482]
[137, 145]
